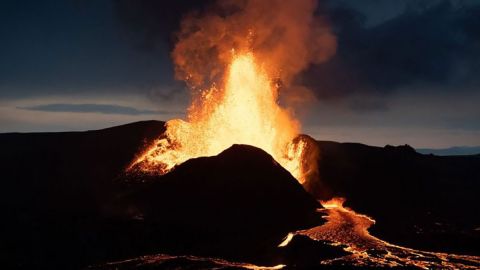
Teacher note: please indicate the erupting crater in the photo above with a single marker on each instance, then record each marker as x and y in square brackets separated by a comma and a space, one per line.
[244, 111]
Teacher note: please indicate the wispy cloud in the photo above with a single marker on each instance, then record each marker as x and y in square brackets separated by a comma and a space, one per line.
[95, 108]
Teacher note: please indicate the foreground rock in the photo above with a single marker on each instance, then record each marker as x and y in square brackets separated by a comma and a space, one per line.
[238, 205]
[65, 205]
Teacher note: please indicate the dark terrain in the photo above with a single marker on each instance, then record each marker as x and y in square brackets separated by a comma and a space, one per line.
[68, 203]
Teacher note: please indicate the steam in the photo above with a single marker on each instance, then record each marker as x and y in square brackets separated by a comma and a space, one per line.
[285, 36]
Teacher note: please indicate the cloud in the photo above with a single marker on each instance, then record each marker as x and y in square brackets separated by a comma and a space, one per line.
[94, 108]
[431, 46]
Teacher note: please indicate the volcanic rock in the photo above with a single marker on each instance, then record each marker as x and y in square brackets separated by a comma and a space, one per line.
[53, 187]
[235, 203]
[66, 205]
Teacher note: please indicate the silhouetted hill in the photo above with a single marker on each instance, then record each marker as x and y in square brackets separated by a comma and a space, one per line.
[75, 168]
[241, 182]
[53, 185]
[451, 151]
[222, 205]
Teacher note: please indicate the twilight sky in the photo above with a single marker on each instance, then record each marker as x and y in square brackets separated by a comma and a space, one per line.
[405, 71]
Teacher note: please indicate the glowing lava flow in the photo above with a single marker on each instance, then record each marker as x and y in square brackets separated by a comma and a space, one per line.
[190, 262]
[244, 111]
[346, 228]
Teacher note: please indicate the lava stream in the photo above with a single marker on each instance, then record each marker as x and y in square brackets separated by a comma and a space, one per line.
[346, 228]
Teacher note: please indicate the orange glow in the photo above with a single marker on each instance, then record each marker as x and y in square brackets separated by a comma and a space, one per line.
[336, 202]
[244, 111]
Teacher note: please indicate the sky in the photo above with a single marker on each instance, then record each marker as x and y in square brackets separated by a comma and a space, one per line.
[404, 72]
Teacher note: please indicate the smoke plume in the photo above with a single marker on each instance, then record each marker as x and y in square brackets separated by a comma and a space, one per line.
[285, 36]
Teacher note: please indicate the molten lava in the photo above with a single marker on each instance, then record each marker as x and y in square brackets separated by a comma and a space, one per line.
[244, 111]
[348, 229]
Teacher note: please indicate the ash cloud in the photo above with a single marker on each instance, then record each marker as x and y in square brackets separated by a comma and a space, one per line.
[285, 36]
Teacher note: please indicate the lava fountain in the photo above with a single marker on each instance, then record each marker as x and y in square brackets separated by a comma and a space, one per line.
[237, 57]
[244, 111]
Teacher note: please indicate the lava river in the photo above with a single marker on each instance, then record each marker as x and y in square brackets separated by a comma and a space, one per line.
[346, 228]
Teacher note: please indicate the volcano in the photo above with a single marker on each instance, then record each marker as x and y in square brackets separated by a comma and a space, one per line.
[68, 202]
[75, 206]
[241, 196]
